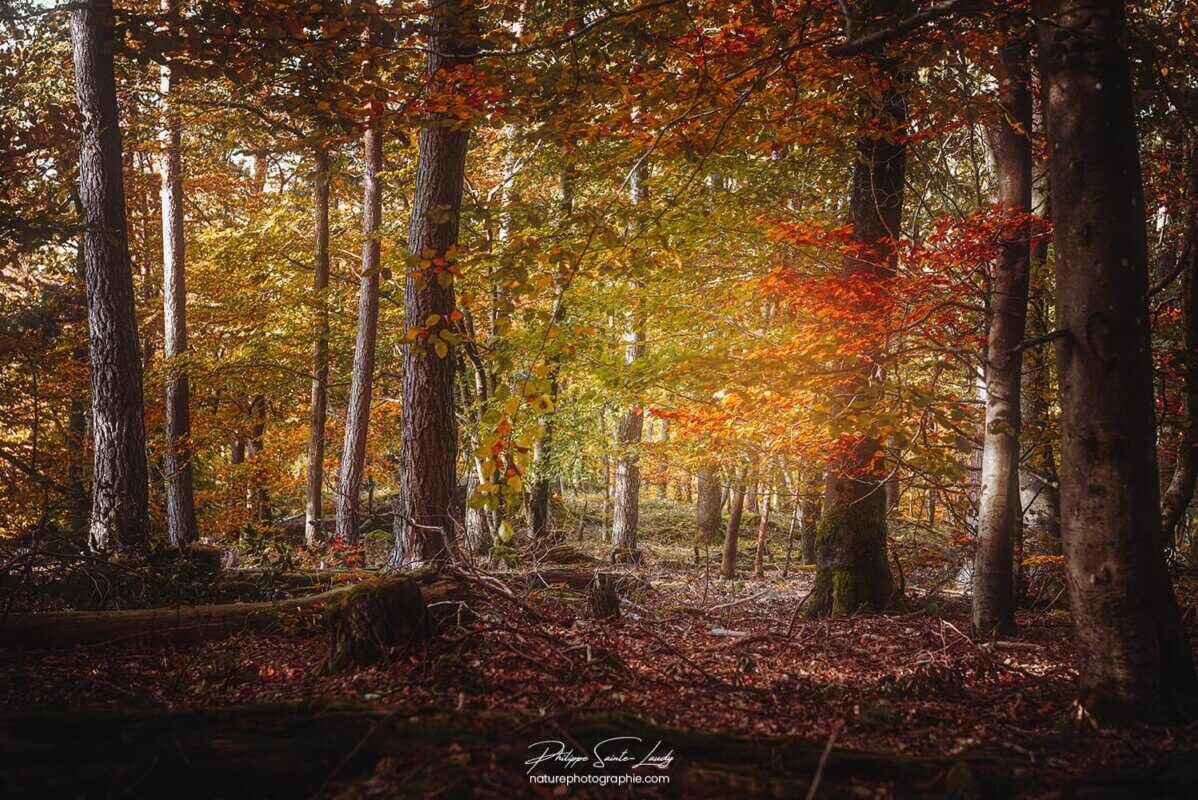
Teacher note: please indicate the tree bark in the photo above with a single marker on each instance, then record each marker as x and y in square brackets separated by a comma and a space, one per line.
[180, 496]
[424, 525]
[120, 493]
[707, 505]
[762, 530]
[1134, 659]
[357, 417]
[999, 510]
[1181, 487]
[852, 563]
[1039, 493]
[257, 498]
[732, 532]
[626, 499]
[318, 406]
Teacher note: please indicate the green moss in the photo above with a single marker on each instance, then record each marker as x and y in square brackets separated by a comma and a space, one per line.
[373, 619]
[853, 570]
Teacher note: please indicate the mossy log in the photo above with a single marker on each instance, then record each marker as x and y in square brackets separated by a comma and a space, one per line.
[324, 749]
[376, 618]
[185, 624]
[565, 554]
[579, 580]
[58, 629]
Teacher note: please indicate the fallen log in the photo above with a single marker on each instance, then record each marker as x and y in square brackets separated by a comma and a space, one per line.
[59, 629]
[441, 594]
[186, 624]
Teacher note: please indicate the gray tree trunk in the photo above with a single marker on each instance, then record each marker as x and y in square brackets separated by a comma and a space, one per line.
[180, 495]
[627, 494]
[999, 510]
[120, 490]
[1181, 486]
[357, 417]
[1134, 659]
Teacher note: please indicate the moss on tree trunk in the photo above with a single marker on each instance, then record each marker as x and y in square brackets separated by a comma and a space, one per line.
[852, 574]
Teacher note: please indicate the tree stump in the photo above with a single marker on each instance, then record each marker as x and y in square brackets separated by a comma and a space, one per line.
[603, 601]
[374, 619]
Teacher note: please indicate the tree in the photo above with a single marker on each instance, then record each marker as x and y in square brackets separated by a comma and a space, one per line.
[180, 499]
[1134, 658]
[852, 564]
[318, 406]
[999, 507]
[424, 523]
[732, 532]
[627, 496]
[357, 418]
[1180, 489]
[707, 506]
[120, 490]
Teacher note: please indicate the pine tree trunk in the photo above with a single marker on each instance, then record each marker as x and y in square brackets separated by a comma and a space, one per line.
[357, 417]
[999, 507]
[627, 496]
[180, 496]
[424, 525]
[120, 490]
[852, 564]
[1134, 658]
[732, 532]
[318, 406]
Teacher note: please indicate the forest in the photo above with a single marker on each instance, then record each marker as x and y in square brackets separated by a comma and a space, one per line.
[675, 398]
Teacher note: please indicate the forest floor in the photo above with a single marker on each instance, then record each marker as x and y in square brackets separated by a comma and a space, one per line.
[696, 654]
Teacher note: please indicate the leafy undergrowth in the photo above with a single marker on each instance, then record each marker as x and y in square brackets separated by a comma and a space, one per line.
[697, 653]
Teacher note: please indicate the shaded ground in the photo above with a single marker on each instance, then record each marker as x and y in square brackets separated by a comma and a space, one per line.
[697, 654]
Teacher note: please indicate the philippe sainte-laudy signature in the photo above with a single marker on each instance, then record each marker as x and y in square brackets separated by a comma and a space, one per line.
[618, 750]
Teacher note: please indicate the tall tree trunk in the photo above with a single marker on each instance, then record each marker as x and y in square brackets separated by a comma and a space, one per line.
[543, 455]
[424, 525]
[627, 494]
[762, 530]
[1039, 493]
[707, 505]
[357, 417]
[257, 498]
[852, 565]
[732, 532]
[120, 489]
[1134, 659]
[1181, 487]
[811, 508]
[318, 406]
[999, 508]
[180, 496]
